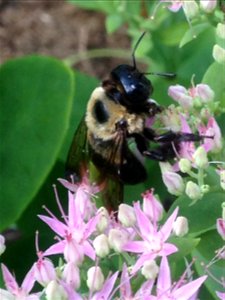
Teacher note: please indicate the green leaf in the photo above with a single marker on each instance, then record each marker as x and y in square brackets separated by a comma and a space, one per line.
[203, 254]
[215, 79]
[113, 22]
[203, 214]
[193, 32]
[185, 246]
[36, 99]
[99, 5]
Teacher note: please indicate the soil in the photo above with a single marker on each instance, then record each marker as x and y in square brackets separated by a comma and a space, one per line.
[56, 28]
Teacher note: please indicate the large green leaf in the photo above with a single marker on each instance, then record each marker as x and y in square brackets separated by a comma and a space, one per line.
[36, 99]
[203, 254]
[203, 214]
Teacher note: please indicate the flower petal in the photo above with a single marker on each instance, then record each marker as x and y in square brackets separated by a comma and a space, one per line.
[187, 290]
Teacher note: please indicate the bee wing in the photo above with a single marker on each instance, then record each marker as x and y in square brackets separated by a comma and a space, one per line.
[78, 151]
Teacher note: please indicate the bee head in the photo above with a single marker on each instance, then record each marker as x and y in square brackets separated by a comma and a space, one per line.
[135, 86]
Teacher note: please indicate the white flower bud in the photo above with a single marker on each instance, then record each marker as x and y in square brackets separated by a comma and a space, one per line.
[204, 92]
[180, 226]
[2, 244]
[103, 219]
[95, 279]
[55, 291]
[185, 165]
[205, 188]
[126, 215]
[200, 158]
[174, 183]
[193, 191]
[150, 269]
[71, 275]
[117, 239]
[220, 30]
[223, 210]
[190, 8]
[180, 94]
[101, 245]
[219, 54]
[208, 6]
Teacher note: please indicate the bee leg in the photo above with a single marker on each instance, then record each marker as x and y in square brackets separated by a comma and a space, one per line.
[177, 137]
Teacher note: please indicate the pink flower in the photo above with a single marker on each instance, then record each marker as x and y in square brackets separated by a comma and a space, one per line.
[74, 233]
[153, 240]
[13, 290]
[44, 270]
[175, 5]
[166, 290]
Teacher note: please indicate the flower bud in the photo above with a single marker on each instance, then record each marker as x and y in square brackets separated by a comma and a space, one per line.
[219, 54]
[180, 94]
[2, 244]
[208, 6]
[204, 92]
[193, 191]
[117, 239]
[190, 8]
[174, 183]
[180, 226]
[150, 270]
[126, 215]
[73, 252]
[101, 245]
[44, 271]
[185, 165]
[205, 188]
[71, 275]
[220, 225]
[222, 179]
[95, 279]
[220, 30]
[152, 207]
[200, 158]
[55, 291]
[103, 219]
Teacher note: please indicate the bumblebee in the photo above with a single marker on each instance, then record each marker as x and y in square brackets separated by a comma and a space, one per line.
[116, 114]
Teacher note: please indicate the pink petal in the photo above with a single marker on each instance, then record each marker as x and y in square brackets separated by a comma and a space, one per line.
[10, 281]
[143, 258]
[70, 186]
[74, 215]
[89, 250]
[144, 224]
[57, 226]
[187, 290]
[135, 246]
[166, 229]
[106, 289]
[28, 281]
[221, 295]
[55, 249]
[91, 226]
[168, 249]
[125, 287]
[164, 277]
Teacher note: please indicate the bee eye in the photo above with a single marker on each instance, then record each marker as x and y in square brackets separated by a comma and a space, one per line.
[100, 112]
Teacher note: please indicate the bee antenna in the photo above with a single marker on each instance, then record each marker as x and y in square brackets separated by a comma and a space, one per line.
[169, 75]
[135, 48]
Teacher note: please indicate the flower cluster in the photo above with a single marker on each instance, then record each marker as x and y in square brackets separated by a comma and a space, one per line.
[83, 244]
